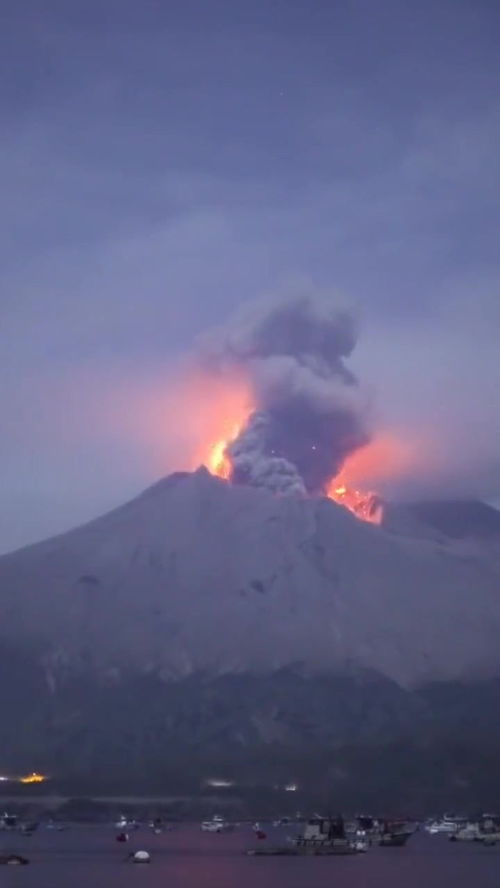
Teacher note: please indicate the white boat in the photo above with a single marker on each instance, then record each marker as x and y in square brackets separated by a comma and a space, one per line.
[447, 825]
[216, 825]
[123, 823]
[468, 833]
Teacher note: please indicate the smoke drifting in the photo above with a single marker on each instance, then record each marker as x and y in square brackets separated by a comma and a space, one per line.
[311, 413]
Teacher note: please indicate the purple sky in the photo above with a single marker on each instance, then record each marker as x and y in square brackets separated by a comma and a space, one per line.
[163, 161]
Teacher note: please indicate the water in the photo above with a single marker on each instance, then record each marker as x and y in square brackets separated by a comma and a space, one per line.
[89, 857]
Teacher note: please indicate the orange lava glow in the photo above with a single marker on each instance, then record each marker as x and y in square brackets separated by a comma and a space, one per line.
[365, 506]
[385, 458]
[218, 462]
[225, 411]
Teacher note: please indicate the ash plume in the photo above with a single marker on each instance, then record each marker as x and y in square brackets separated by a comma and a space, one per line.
[310, 410]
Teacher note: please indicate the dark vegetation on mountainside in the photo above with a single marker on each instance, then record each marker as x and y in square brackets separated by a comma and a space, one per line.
[359, 740]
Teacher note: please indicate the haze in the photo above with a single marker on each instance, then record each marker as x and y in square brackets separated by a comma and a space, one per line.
[161, 163]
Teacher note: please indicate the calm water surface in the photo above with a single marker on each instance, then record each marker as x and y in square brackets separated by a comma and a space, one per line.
[186, 858]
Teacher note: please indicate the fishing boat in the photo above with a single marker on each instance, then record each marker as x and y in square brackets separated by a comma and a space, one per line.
[322, 836]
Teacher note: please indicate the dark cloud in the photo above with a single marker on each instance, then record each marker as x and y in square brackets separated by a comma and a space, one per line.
[162, 163]
[310, 412]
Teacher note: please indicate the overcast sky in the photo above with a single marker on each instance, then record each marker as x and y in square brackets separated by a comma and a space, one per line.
[163, 161]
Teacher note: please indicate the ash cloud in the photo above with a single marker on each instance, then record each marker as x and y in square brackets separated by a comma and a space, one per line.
[311, 413]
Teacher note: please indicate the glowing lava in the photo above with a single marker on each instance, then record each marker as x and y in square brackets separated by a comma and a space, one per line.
[386, 458]
[218, 462]
[365, 506]
[218, 411]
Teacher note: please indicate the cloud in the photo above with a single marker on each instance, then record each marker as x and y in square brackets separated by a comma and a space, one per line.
[159, 170]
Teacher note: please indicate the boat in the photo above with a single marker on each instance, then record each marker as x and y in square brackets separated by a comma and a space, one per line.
[394, 840]
[322, 836]
[395, 833]
[471, 832]
[489, 838]
[489, 829]
[448, 824]
[140, 857]
[57, 827]
[123, 823]
[13, 860]
[27, 829]
[216, 825]
[8, 821]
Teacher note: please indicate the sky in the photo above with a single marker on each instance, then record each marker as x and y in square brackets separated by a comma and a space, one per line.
[163, 162]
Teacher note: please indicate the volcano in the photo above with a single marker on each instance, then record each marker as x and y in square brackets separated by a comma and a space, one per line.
[201, 582]
[196, 574]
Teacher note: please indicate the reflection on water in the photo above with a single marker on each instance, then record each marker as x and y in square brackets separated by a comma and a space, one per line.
[89, 857]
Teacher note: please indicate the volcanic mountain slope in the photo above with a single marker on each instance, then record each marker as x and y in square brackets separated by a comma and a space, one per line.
[197, 576]
[207, 629]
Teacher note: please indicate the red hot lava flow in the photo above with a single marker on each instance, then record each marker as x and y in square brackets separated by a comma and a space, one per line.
[345, 489]
[365, 506]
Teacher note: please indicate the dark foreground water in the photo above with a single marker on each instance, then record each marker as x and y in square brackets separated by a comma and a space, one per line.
[186, 858]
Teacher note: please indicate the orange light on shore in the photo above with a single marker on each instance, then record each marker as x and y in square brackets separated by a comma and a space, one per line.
[34, 777]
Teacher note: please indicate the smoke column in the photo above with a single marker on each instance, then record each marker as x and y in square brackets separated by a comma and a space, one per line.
[310, 410]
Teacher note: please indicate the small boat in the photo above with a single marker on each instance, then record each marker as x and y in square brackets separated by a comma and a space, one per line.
[394, 840]
[322, 836]
[122, 837]
[8, 821]
[394, 834]
[216, 825]
[490, 838]
[471, 832]
[158, 826]
[13, 860]
[448, 824]
[140, 857]
[27, 829]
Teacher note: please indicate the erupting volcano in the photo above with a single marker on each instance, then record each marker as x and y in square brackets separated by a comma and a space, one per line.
[306, 415]
[365, 505]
